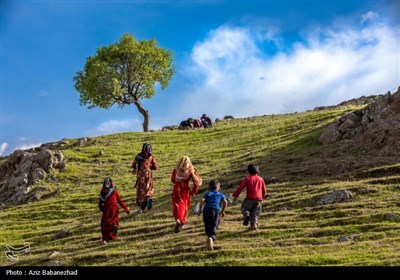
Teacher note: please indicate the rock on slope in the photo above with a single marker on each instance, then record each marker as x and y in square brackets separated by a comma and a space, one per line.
[375, 128]
[21, 174]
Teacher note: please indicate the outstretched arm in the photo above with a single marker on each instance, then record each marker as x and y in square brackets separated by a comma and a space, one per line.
[194, 190]
[134, 164]
[239, 189]
[173, 176]
[123, 205]
[202, 202]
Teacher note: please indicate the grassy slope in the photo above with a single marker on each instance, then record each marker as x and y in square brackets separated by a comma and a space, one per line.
[292, 232]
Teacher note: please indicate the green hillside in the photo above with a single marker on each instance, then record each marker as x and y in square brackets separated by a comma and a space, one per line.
[292, 231]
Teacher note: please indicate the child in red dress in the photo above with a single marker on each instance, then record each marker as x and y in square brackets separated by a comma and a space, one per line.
[108, 200]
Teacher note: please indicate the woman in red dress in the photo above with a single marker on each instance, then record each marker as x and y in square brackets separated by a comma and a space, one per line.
[143, 165]
[181, 194]
[108, 205]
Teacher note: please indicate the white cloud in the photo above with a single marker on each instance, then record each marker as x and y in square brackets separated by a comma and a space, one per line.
[329, 66]
[22, 143]
[3, 147]
[369, 16]
[115, 126]
[27, 146]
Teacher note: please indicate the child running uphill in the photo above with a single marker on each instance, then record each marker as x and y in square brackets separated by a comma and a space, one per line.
[108, 205]
[213, 211]
[256, 191]
[182, 193]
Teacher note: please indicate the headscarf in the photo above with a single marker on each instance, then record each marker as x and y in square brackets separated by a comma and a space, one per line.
[184, 169]
[147, 150]
[107, 190]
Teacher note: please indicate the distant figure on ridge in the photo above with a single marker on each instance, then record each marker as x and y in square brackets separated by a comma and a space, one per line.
[143, 165]
[187, 124]
[256, 191]
[213, 211]
[181, 194]
[206, 120]
[108, 200]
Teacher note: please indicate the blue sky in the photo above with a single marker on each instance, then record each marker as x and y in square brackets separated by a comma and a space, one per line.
[240, 58]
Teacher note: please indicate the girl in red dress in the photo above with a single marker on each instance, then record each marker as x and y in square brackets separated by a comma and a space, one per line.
[108, 205]
[181, 195]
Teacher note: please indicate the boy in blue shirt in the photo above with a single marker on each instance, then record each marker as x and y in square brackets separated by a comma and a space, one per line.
[213, 211]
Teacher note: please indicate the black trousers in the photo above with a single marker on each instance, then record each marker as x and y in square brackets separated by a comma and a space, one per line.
[212, 219]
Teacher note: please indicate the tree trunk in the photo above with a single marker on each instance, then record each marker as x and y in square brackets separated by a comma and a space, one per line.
[146, 116]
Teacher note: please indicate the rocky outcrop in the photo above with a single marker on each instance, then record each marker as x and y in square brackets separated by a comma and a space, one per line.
[363, 100]
[171, 127]
[21, 176]
[376, 128]
[334, 197]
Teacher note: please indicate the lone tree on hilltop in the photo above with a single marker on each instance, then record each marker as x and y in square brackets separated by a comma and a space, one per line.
[123, 74]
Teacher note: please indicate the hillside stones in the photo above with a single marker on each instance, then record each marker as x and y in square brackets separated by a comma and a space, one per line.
[348, 238]
[38, 174]
[376, 128]
[363, 100]
[392, 217]
[330, 135]
[83, 141]
[171, 127]
[23, 170]
[334, 197]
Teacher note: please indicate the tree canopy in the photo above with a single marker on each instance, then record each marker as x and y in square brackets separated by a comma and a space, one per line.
[123, 74]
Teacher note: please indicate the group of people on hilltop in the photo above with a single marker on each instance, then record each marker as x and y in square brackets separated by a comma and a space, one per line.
[212, 205]
[204, 122]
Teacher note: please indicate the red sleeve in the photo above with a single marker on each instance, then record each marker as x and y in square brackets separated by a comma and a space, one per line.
[240, 188]
[195, 188]
[120, 202]
[173, 176]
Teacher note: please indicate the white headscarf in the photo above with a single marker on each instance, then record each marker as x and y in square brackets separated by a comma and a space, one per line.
[184, 169]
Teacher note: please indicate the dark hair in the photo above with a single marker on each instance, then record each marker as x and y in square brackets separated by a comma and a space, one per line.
[253, 169]
[213, 185]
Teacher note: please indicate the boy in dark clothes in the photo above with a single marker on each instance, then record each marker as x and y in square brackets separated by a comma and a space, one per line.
[213, 211]
[256, 191]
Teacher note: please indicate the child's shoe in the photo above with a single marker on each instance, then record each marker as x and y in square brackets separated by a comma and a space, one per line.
[177, 226]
